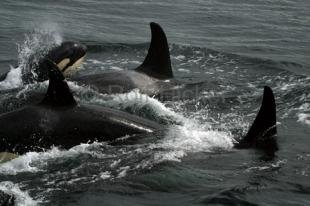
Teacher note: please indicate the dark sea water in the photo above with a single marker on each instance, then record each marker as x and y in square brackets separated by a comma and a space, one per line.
[222, 51]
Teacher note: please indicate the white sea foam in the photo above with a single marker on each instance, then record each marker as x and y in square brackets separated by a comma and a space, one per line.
[184, 70]
[105, 175]
[13, 79]
[35, 161]
[137, 101]
[180, 57]
[22, 198]
[194, 139]
[304, 114]
[116, 68]
[123, 171]
[304, 118]
[35, 45]
[268, 166]
[189, 136]
[182, 140]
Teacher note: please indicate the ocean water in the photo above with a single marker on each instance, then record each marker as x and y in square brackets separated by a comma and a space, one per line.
[224, 52]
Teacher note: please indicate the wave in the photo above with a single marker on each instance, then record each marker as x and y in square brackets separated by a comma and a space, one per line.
[22, 198]
[35, 45]
[194, 53]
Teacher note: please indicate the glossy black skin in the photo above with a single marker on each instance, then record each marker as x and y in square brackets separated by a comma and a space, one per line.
[151, 77]
[39, 127]
[262, 135]
[112, 82]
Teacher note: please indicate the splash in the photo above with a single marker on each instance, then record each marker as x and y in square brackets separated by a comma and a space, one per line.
[145, 106]
[13, 79]
[180, 141]
[303, 113]
[133, 102]
[304, 118]
[22, 198]
[36, 45]
[184, 135]
[34, 161]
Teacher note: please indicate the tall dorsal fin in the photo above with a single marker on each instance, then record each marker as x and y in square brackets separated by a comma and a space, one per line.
[262, 133]
[58, 92]
[157, 62]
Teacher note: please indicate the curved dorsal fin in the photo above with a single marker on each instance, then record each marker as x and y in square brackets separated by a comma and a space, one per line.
[58, 92]
[157, 63]
[262, 133]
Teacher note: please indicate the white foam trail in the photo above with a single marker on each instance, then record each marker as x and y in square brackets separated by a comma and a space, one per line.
[304, 115]
[190, 136]
[191, 139]
[181, 140]
[304, 118]
[34, 161]
[116, 68]
[136, 100]
[105, 175]
[268, 166]
[123, 171]
[184, 70]
[179, 57]
[22, 198]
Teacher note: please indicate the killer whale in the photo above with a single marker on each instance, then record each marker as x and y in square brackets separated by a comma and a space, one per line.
[68, 56]
[262, 134]
[152, 76]
[58, 120]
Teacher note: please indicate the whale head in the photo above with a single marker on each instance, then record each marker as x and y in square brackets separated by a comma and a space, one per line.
[68, 56]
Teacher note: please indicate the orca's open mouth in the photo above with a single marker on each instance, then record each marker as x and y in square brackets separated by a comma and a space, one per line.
[69, 67]
[68, 56]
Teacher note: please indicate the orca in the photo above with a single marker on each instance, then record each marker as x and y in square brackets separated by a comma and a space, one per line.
[150, 77]
[68, 56]
[263, 132]
[58, 120]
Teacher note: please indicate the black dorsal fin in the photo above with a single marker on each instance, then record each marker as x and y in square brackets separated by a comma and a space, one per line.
[262, 133]
[157, 63]
[58, 92]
